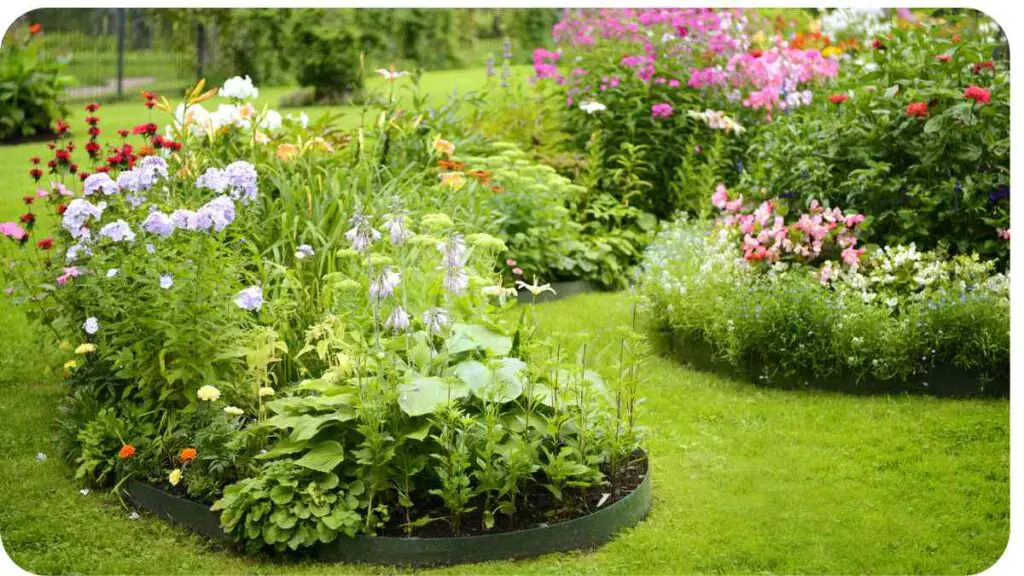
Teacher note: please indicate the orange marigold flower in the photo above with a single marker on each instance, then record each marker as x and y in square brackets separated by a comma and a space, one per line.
[187, 454]
[127, 451]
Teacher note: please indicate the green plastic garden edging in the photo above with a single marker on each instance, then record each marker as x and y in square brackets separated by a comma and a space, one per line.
[584, 532]
[562, 290]
[942, 380]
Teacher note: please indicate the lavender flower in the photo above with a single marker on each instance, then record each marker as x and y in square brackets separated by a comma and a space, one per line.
[506, 46]
[395, 225]
[303, 252]
[76, 251]
[453, 259]
[436, 319]
[118, 231]
[181, 218]
[213, 179]
[79, 212]
[219, 212]
[155, 166]
[100, 181]
[112, 272]
[166, 281]
[456, 281]
[398, 320]
[490, 65]
[383, 285]
[150, 248]
[250, 298]
[241, 178]
[362, 234]
[91, 325]
[135, 200]
[158, 223]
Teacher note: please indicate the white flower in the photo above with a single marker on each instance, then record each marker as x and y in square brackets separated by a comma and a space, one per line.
[271, 121]
[266, 391]
[166, 281]
[591, 106]
[133, 516]
[91, 325]
[174, 477]
[239, 88]
[112, 272]
[40, 457]
[535, 288]
[233, 411]
[391, 75]
[84, 491]
[303, 252]
[208, 393]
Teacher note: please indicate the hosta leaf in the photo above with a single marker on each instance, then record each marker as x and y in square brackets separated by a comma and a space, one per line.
[420, 395]
[323, 456]
[467, 337]
[282, 495]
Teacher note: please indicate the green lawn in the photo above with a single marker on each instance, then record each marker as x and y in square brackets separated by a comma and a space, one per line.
[745, 480]
[14, 160]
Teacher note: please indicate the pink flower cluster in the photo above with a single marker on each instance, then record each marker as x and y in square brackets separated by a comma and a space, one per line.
[662, 110]
[766, 236]
[544, 63]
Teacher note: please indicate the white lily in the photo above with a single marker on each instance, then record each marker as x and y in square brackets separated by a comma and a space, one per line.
[591, 106]
[535, 288]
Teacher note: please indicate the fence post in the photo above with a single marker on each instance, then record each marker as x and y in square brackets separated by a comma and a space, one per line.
[121, 28]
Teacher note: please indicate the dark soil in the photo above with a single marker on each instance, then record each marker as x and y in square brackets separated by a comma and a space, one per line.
[541, 508]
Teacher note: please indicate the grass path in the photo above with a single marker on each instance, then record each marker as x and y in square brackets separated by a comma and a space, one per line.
[745, 480]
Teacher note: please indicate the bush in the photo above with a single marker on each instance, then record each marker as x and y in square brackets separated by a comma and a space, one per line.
[330, 56]
[904, 142]
[32, 83]
[895, 317]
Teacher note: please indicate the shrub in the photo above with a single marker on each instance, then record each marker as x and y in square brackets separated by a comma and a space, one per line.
[330, 56]
[32, 83]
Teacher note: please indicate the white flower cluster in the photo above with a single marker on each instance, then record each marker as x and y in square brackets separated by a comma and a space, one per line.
[861, 23]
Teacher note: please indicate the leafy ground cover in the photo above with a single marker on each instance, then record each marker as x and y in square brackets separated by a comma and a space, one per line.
[746, 480]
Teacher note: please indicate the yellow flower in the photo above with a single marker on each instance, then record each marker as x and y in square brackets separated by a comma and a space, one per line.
[442, 146]
[452, 180]
[208, 393]
[65, 345]
[287, 151]
[85, 348]
[174, 477]
[831, 51]
[233, 411]
[70, 365]
[266, 391]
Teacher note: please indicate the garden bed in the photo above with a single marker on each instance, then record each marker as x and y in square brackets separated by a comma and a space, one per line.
[586, 531]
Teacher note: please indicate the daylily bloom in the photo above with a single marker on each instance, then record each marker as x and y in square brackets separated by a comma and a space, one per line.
[390, 74]
[536, 289]
[442, 146]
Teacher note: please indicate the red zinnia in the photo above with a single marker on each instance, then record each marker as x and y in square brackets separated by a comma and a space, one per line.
[147, 129]
[45, 244]
[27, 218]
[126, 452]
[35, 29]
[986, 65]
[978, 94]
[36, 173]
[83, 175]
[918, 109]
[28, 199]
[838, 98]
[92, 107]
[943, 57]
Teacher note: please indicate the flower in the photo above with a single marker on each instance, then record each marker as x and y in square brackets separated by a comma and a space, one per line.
[986, 65]
[35, 29]
[978, 94]
[70, 365]
[510, 262]
[112, 272]
[917, 109]
[591, 106]
[158, 223]
[304, 251]
[84, 491]
[838, 98]
[517, 271]
[436, 319]
[536, 289]
[78, 212]
[118, 231]
[208, 393]
[40, 457]
[12, 230]
[91, 325]
[239, 88]
[384, 284]
[250, 298]
[69, 273]
[233, 411]
[362, 234]
[452, 180]
[287, 151]
[943, 57]
[390, 74]
[398, 320]
[1003, 234]
[174, 477]
[166, 281]
[45, 244]
[265, 391]
[85, 348]
[662, 110]
[238, 178]
[851, 256]
[133, 516]
[271, 121]
[187, 454]
[442, 146]
[126, 452]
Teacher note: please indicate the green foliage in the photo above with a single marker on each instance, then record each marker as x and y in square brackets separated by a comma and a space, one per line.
[330, 58]
[32, 82]
[258, 43]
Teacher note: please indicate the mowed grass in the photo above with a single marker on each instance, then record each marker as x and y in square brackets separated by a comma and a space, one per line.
[14, 159]
[745, 480]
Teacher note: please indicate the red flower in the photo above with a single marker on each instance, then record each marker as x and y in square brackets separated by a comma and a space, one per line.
[45, 244]
[51, 145]
[62, 208]
[756, 52]
[147, 129]
[149, 95]
[187, 454]
[63, 155]
[35, 29]
[51, 164]
[62, 127]
[83, 175]
[150, 104]
[36, 173]
[92, 107]
[978, 94]
[956, 38]
[92, 120]
[174, 145]
[73, 168]
[94, 131]
[917, 109]
[986, 65]
[28, 199]
[103, 169]
[126, 452]
[838, 98]
[123, 133]
[943, 57]
[92, 148]
[27, 218]
[877, 44]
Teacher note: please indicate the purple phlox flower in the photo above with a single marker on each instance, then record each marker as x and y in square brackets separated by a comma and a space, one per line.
[436, 320]
[155, 166]
[150, 248]
[384, 284]
[250, 298]
[78, 212]
[118, 231]
[99, 181]
[304, 251]
[69, 273]
[241, 179]
[362, 234]
[398, 320]
[135, 200]
[213, 179]
[181, 218]
[158, 223]
[76, 251]
[219, 212]
[91, 325]
[166, 281]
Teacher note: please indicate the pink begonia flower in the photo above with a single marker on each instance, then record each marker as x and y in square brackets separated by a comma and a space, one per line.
[673, 83]
[851, 256]
[854, 219]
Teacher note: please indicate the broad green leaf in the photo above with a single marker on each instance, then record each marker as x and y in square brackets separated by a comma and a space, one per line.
[282, 495]
[420, 395]
[323, 456]
[467, 337]
[477, 376]
[420, 432]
